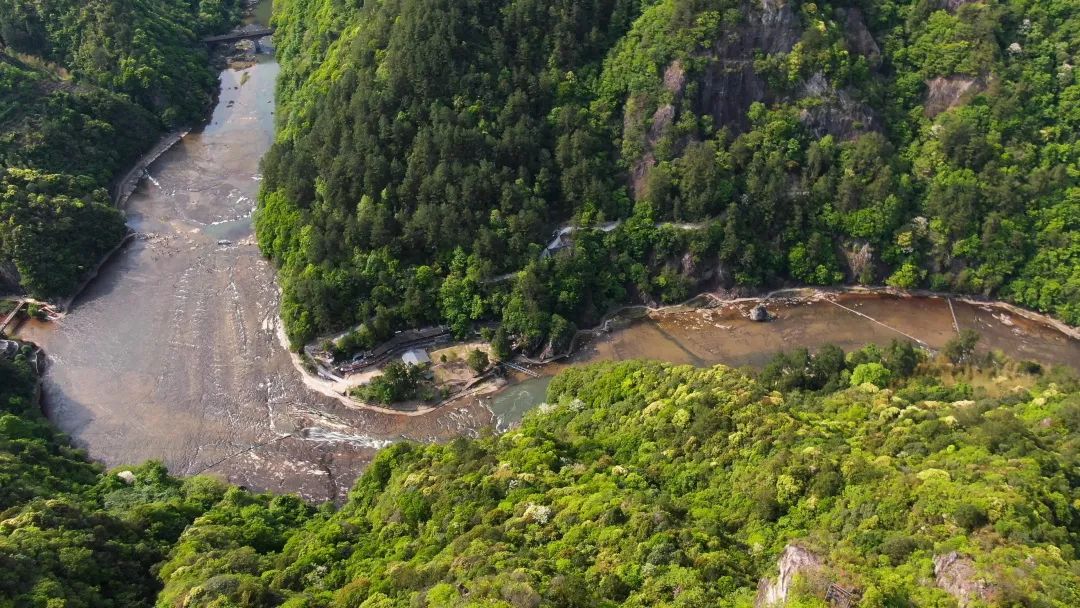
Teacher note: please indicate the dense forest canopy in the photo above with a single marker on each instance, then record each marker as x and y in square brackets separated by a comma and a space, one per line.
[85, 88]
[903, 481]
[426, 148]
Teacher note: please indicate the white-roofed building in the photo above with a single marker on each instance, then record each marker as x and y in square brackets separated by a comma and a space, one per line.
[416, 356]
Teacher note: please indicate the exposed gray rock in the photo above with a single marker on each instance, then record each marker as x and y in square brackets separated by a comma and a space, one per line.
[954, 5]
[661, 122]
[794, 561]
[759, 313]
[127, 477]
[729, 84]
[9, 277]
[675, 78]
[859, 37]
[860, 260]
[947, 92]
[816, 86]
[778, 27]
[955, 573]
[838, 114]
[687, 265]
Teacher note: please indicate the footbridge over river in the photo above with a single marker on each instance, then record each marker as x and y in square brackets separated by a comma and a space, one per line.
[248, 34]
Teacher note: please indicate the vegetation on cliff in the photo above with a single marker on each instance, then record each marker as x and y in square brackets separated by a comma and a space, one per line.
[640, 484]
[85, 88]
[426, 148]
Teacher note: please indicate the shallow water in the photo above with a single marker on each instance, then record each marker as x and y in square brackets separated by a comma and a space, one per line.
[724, 335]
[511, 404]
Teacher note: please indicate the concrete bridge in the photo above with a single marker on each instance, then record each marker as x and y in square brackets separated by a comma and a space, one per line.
[249, 34]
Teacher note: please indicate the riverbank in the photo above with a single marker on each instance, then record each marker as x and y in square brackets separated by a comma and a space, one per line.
[338, 389]
[64, 305]
[783, 300]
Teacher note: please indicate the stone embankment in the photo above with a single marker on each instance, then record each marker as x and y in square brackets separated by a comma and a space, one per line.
[127, 185]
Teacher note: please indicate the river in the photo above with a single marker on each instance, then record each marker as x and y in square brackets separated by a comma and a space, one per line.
[173, 352]
[725, 335]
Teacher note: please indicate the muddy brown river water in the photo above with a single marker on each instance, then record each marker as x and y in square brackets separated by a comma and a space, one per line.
[172, 353]
[725, 335]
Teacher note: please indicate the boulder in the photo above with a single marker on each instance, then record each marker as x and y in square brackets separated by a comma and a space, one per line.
[759, 313]
[127, 477]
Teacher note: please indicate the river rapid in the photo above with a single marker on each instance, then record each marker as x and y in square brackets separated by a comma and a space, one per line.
[173, 352]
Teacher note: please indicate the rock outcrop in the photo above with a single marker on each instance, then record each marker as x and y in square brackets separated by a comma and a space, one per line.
[9, 277]
[794, 562]
[860, 260]
[723, 84]
[955, 573]
[946, 92]
[675, 78]
[835, 112]
[859, 38]
[729, 83]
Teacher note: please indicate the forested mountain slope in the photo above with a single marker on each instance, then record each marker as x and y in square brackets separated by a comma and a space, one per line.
[645, 484]
[904, 483]
[428, 146]
[85, 88]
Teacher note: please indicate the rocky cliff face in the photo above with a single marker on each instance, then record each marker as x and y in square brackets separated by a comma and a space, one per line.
[729, 84]
[724, 84]
[859, 38]
[835, 112]
[947, 92]
[955, 573]
[9, 277]
[794, 562]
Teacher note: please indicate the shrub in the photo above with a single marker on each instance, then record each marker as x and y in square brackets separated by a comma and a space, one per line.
[871, 373]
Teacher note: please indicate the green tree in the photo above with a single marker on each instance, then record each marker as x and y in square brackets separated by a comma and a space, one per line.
[478, 360]
[871, 373]
[959, 350]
